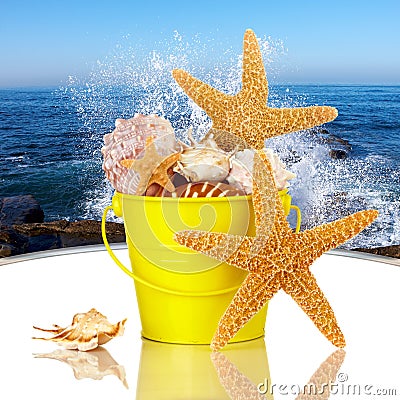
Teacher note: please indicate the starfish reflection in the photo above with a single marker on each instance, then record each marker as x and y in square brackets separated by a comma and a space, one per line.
[318, 386]
[238, 386]
[95, 364]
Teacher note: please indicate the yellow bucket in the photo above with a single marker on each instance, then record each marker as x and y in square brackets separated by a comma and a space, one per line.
[182, 294]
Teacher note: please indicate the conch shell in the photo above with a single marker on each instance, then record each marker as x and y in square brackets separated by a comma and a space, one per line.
[128, 141]
[87, 331]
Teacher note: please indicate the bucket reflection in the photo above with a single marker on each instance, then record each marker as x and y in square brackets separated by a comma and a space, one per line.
[173, 371]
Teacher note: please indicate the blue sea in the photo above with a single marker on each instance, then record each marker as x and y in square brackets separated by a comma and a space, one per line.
[51, 140]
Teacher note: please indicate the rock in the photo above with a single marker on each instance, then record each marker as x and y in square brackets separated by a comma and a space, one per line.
[20, 210]
[337, 154]
[11, 243]
[339, 148]
[62, 233]
[388, 251]
[23, 230]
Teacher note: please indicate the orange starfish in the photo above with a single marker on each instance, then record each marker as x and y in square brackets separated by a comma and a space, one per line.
[152, 168]
[281, 263]
[246, 113]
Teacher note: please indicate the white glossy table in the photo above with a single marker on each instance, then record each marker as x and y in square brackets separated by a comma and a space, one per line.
[50, 287]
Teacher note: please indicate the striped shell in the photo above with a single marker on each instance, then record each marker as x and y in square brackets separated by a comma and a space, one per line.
[127, 141]
[207, 189]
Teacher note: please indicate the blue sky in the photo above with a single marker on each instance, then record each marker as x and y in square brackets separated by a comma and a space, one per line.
[353, 41]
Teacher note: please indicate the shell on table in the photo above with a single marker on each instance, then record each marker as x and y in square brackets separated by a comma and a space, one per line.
[128, 141]
[87, 331]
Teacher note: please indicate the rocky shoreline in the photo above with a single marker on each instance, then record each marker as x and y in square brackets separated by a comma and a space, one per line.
[23, 230]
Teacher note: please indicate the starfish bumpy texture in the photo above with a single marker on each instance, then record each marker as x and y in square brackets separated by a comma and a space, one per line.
[282, 262]
[246, 114]
[152, 168]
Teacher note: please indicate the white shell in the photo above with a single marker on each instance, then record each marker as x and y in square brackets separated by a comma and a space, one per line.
[204, 164]
[204, 161]
[281, 175]
[240, 175]
[127, 141]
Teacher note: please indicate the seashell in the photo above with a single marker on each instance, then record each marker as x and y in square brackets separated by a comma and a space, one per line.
[240, 175]
[87, 331]
[154, 190]
[206, 189]
[281, 175]
[203, 161]
[128, 141]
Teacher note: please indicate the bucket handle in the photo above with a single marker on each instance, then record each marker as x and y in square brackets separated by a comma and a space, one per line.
[298, 222]
[144, 282]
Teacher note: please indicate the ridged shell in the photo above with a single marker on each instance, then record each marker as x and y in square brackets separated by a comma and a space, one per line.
[127, 141]
[207, 189]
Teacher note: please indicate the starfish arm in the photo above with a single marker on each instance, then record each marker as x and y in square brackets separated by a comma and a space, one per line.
[296, 119]
[264, 193]
[201, 93]
[303, 288]
[254, 293]
[254, 79]
[329, 236]
[232, 249]
[142, 185]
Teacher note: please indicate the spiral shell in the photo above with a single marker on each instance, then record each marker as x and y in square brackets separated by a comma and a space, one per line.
[128, 141]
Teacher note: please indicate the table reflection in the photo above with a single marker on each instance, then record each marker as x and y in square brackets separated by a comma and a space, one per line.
[171, 371]
[94, 364]
[241, 371]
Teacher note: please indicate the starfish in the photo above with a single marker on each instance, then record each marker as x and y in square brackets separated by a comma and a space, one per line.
[152, 168]
[282, 262]
[246, 113]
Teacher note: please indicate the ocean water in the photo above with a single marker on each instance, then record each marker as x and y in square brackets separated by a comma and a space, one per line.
[51, 140]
